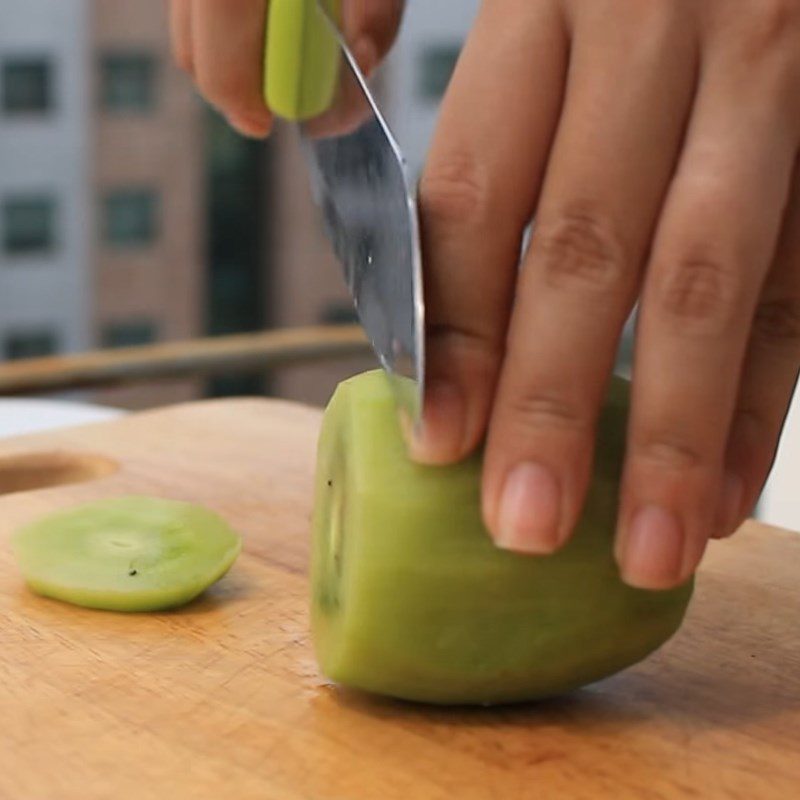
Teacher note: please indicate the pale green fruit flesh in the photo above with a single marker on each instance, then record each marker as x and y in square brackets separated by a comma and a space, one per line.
[302, 64]
[412, 600]
[126, 553]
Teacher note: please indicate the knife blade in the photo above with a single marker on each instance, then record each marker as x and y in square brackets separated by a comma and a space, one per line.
[359, 181]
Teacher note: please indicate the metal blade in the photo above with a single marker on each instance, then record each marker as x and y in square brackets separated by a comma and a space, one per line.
[360, 183]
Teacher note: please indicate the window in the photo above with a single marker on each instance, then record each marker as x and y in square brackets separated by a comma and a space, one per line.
[127, 82]
[30, 344]
[130, 217]
[435, 69]
[27, 86]
[131, 333]
[28, 225]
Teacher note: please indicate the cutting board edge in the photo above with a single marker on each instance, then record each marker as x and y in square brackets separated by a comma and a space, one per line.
[14, 444]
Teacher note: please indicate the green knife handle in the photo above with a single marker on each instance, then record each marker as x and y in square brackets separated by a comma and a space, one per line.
[302, 59]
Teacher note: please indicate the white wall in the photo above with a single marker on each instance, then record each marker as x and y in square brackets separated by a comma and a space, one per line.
[50, 154]
[780, 504]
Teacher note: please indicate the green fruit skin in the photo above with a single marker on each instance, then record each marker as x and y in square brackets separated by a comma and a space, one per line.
[413, 600]
[302, 62]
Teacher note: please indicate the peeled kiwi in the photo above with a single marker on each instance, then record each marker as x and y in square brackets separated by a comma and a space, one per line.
[126, 553]
[412, 600]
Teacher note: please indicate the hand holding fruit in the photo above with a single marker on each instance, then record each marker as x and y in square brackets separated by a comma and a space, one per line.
[221, 45]
[411, 599]
[657, 144]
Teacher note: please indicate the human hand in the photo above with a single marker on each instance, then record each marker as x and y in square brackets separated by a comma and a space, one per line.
[657, 144]
[220, 43]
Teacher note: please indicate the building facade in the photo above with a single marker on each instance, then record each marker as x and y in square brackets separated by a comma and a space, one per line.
[148, 192]
[101, 184]
[419, 69]
[45, 183]
[134, 188]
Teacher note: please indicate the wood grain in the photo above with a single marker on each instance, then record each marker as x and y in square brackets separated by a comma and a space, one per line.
[223, 699]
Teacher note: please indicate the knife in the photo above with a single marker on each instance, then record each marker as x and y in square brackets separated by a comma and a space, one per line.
[359, 182]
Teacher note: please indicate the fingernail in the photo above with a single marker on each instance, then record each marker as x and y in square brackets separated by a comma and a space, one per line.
[732, 492]
[439, 438]
[529, 511]
[254, 127]
[653, 551]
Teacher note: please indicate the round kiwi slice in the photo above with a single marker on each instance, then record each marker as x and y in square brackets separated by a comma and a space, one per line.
[126, 553]
[411, 598]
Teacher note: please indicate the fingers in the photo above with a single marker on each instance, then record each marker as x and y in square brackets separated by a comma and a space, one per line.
[180, 25]
[716, 238]
[631, 84]
[350, 108]
[227, 59]
[477, 194]
[768, 380]
[370, 27]
[221, 45]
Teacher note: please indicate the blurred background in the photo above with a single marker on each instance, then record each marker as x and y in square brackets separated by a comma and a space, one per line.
[131, 214]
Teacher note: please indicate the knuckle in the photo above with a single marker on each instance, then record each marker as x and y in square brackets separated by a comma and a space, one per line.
[700, 290]
[668, 450]
[536, 411]
[776, 323]
[454, 190]
[579, 247]
[463, 341]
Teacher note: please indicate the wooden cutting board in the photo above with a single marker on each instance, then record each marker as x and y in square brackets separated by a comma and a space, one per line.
[223, 699]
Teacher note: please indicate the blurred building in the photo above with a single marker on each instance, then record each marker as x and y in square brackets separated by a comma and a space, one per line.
[419, 70]
[45, 177]
[130, 213]
[101, 184]
[148, 190]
